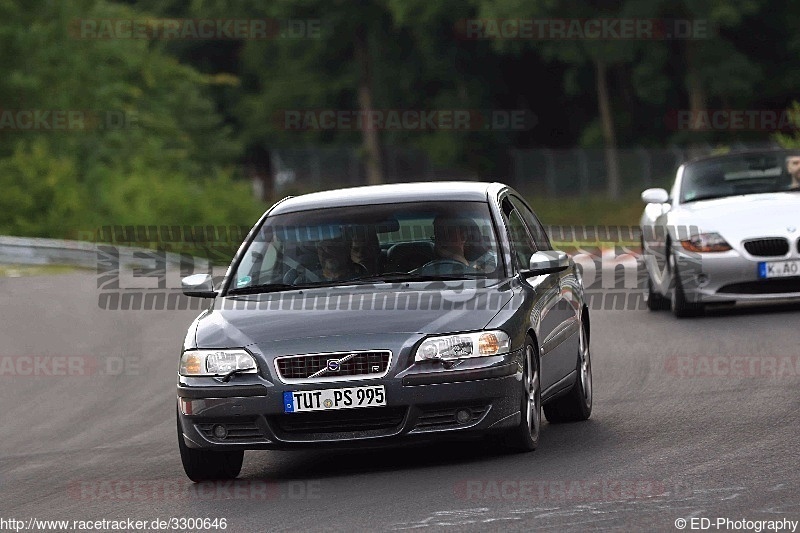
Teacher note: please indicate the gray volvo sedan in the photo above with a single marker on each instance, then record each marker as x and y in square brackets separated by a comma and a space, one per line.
[379, 315]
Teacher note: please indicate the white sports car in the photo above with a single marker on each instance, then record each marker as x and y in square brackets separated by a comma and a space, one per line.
[727, 232]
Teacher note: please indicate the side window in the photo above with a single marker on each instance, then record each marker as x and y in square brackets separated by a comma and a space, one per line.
[523, 245]
[537, 231]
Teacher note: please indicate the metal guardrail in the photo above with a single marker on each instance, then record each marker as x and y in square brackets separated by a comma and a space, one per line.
[36, 251]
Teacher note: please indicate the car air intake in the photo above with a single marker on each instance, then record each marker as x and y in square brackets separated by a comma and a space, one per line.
[770, 247]
[345, 420]
[764, 286]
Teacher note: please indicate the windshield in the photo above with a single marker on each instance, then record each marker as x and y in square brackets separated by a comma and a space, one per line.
[740, 174]
[373, 243]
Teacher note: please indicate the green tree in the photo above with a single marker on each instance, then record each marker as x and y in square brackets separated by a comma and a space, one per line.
[602, 55]
[166, 159]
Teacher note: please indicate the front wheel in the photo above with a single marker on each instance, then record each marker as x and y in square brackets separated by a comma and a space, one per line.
[206, 465]
[576, 405]
[525, 437]
[681, 307]
[655, 302]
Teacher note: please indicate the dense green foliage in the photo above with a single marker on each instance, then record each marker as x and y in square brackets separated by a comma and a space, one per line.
[168, 159]
[197, 112]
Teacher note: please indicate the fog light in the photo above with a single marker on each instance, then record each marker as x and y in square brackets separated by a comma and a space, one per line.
[219, 431]
[463, 416]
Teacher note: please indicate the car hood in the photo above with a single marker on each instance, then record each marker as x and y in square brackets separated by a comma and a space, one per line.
[742, 217]
[299, 317]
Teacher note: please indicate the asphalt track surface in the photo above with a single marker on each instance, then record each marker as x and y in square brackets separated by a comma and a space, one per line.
[691, 420]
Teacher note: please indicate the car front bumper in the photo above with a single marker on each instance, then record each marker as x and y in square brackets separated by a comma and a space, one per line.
[732, 277]
[419, 405]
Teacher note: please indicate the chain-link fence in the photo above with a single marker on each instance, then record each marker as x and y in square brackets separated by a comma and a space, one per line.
[545, 172]
[314, 168]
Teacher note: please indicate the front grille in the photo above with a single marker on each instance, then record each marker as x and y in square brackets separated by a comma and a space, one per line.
[766, 286]
[238, 431]
[351, 365]
[770, 247]
[345, 420]
[442, 418]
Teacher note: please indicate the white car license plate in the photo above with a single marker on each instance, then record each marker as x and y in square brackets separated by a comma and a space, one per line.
[330, 399]
[778, 269]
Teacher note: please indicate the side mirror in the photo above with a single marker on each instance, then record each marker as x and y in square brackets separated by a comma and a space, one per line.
[655, 196]
[548, 262]
[199, 285]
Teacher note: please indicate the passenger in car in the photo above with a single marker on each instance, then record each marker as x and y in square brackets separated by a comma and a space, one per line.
[366, 250]
[335, 259]
[331, 262]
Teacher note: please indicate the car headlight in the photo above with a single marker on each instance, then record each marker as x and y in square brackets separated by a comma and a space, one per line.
[216, 362]
[706, 242]
[463, 345]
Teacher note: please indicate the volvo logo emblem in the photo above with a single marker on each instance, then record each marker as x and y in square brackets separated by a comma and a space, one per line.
[332, 365]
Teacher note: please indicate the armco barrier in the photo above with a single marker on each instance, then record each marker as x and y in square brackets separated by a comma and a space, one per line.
[34, 251]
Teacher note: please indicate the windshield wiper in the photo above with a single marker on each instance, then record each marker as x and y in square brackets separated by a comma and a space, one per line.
[378, 278]
[265, 287]
[405, 276]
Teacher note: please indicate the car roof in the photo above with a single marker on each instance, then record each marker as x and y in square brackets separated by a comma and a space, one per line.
[390, 193]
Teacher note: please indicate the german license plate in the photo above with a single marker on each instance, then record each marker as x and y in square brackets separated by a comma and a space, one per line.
[778, 269]
[331, 399]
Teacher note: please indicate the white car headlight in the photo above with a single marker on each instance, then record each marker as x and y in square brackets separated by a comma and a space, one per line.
[705, 243]
[216, 362]
[463, 345]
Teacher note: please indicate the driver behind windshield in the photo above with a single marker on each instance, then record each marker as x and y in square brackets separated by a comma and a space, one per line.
[793, 167]
[449, 238]
[460, 240]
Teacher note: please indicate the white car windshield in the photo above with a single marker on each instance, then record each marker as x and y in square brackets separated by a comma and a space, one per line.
[751, 173]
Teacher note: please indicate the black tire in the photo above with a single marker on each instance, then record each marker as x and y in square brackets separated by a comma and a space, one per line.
[205, 465]
[525, 437]
[681, 307]
[655, 302]
[576, 405]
